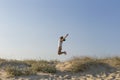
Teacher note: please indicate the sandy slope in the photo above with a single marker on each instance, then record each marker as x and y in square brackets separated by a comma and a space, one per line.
[93, 72]
[115, 75]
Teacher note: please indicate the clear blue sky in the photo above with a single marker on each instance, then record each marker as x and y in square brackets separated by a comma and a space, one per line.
[29, 29]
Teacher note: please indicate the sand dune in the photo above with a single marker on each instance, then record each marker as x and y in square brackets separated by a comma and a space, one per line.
[64, 76]
[76, 69]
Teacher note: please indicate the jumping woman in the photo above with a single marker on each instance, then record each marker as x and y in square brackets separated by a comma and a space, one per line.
[61, 39]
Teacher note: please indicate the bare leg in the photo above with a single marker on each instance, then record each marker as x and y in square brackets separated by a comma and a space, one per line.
[59, 50]
[62, 53]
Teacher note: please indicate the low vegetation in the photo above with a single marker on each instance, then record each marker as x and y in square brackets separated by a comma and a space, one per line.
[27, 67]
[81, 64]
[76, 64]
[15, 71]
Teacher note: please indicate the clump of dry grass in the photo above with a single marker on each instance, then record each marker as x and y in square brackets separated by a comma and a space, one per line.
[27, 67]
[14, 63]
[43, 66]
[81, 63]
[77, 64]
[15, 71]
[113, 61]
[15, 67]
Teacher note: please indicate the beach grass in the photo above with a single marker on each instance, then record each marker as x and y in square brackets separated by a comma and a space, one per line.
[74, 65]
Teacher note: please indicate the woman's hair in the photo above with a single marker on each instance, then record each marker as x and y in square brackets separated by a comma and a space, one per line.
[61, 37]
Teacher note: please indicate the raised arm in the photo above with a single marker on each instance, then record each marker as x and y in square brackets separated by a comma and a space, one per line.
[65, 36]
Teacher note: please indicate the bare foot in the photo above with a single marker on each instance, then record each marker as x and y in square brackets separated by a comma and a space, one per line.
[65, 53]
